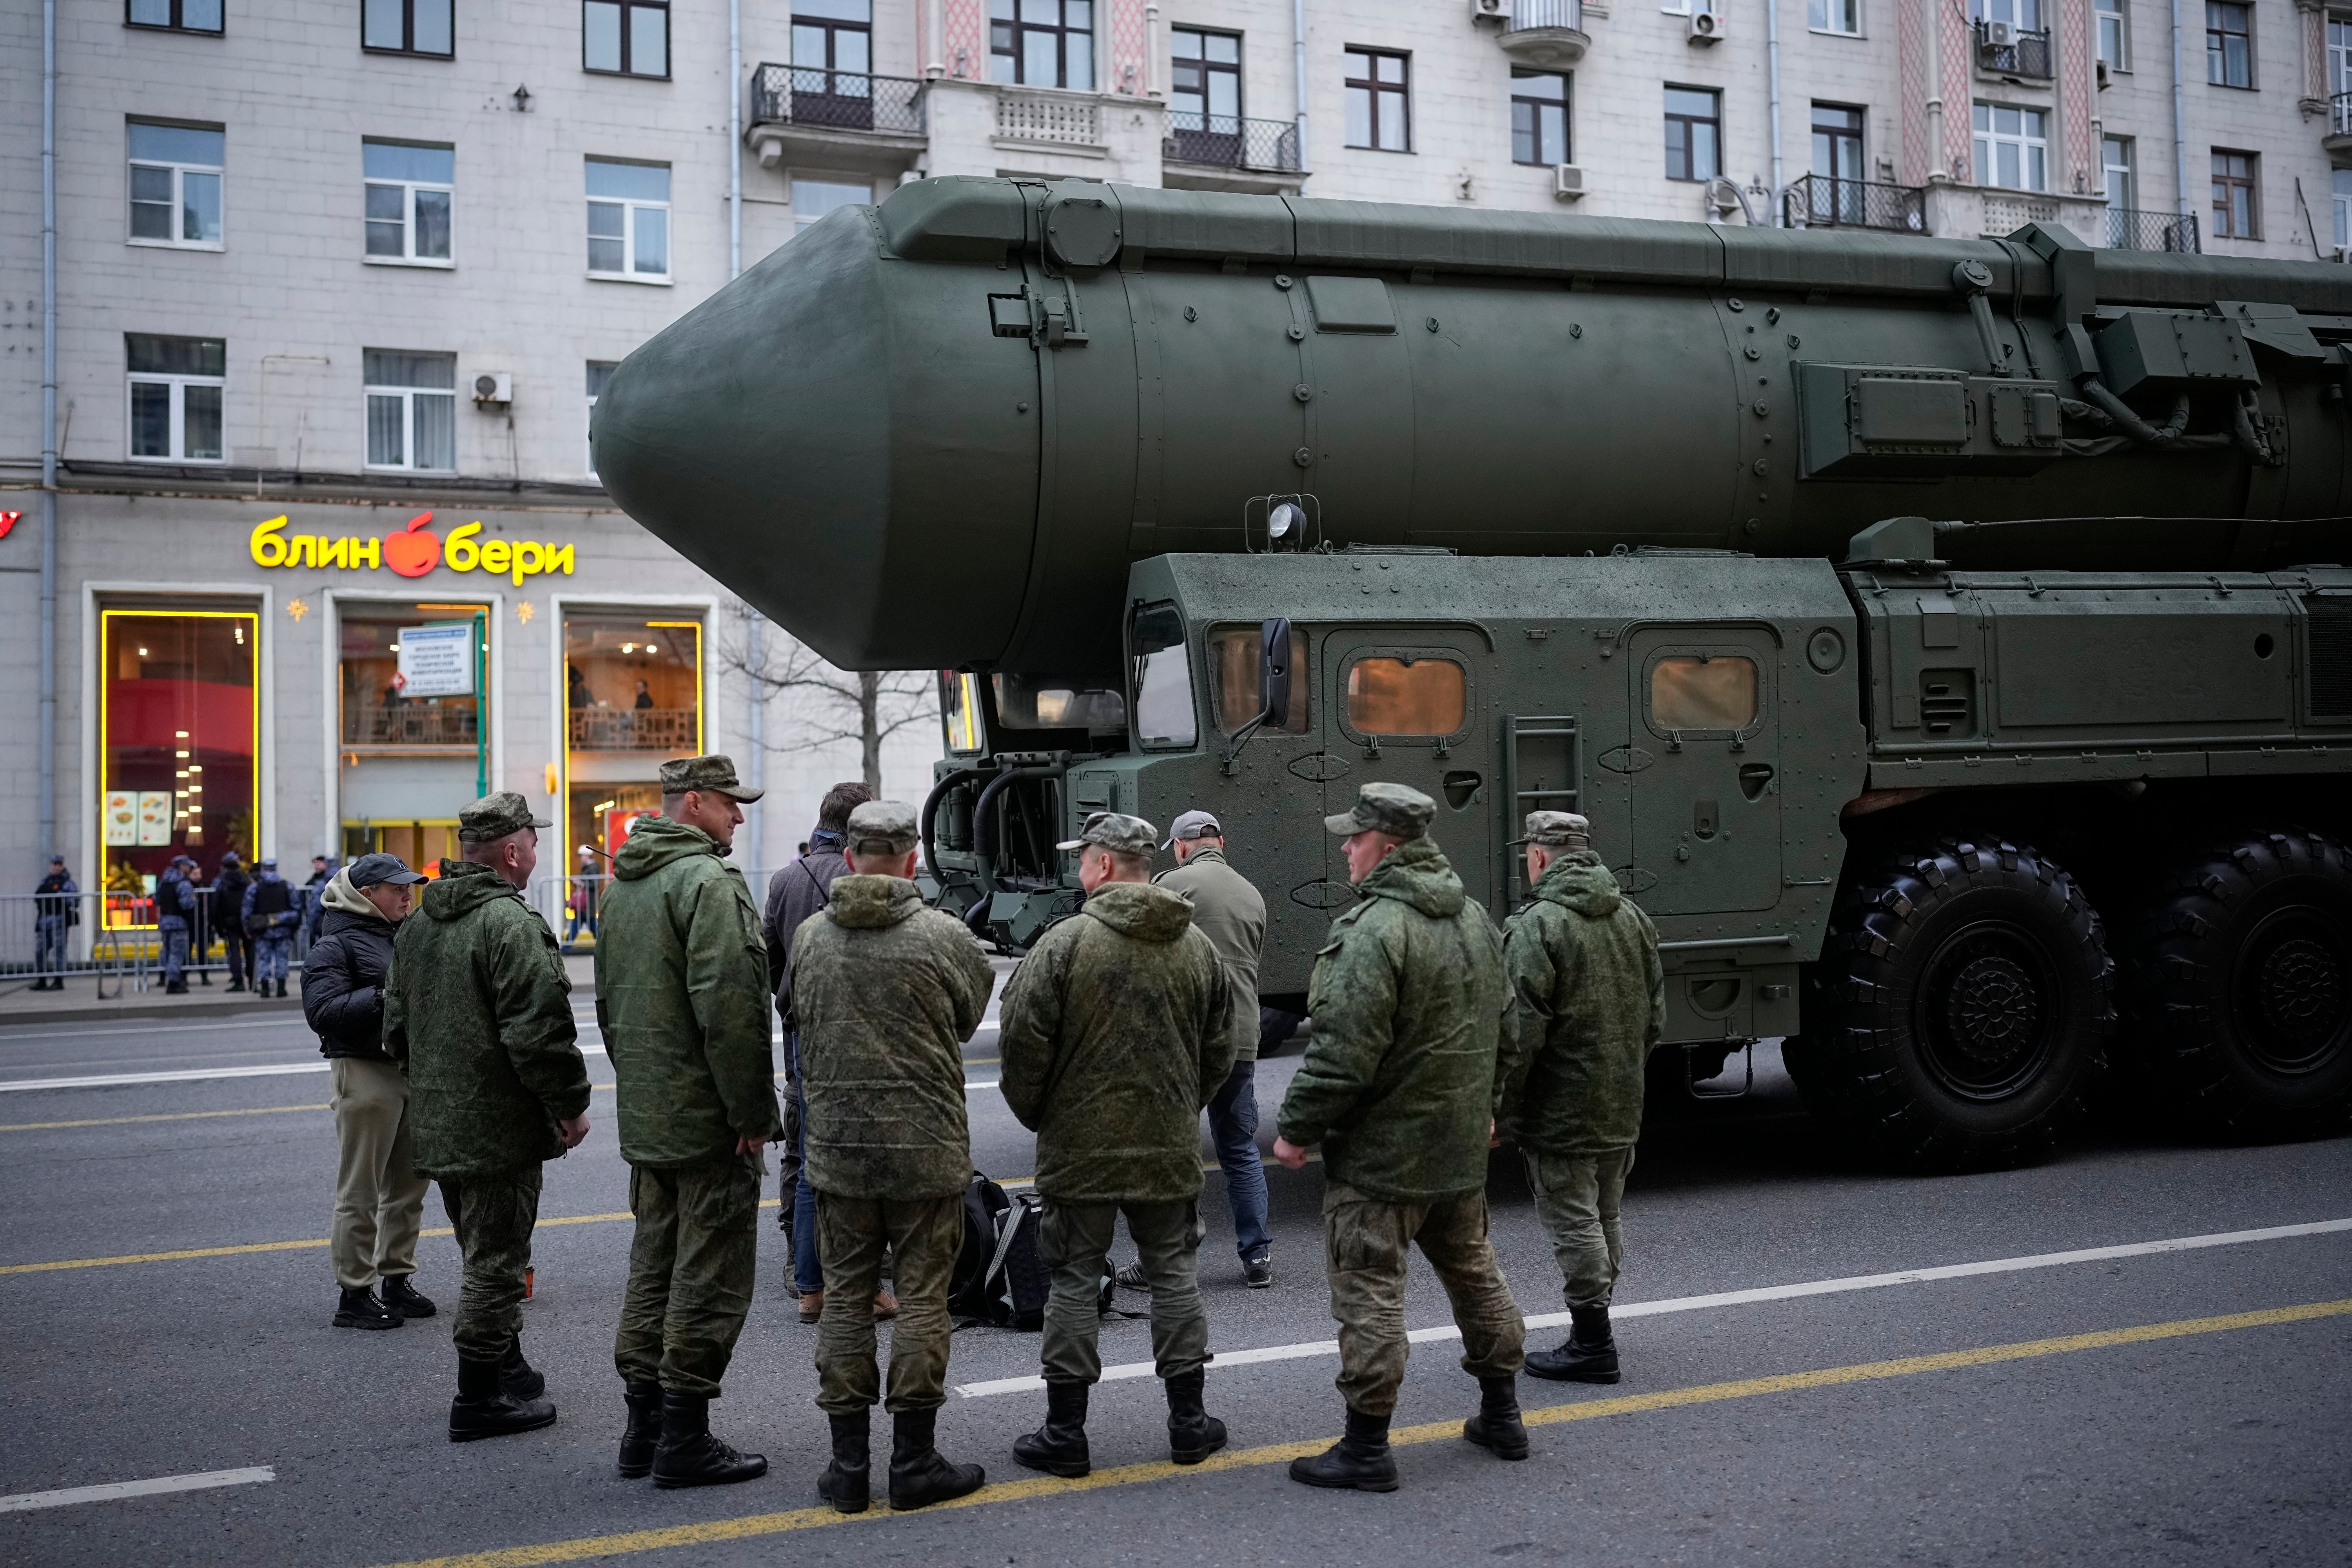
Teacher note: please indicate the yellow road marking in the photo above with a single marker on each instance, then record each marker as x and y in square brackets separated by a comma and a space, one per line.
[170, 1116]
[760, 1525]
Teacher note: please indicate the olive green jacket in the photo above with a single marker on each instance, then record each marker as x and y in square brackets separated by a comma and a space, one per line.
[1114, 1031]
[477, 1010]
[886, 991]
[1400, 1081]
[1590, 996]
[1231, 913]
[682, 997]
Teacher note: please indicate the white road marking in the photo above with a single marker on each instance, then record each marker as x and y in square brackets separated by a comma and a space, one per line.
[191, 1074]
[107, 1493]
[1730, 1299]
[971, 1084]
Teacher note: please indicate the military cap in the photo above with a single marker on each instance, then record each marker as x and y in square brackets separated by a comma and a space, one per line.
[714, 774]
[495, 815]
[1194, 825]
[1114, 831]
[369, 871]
[1556, 830]
[881, 828]
[1398, 810]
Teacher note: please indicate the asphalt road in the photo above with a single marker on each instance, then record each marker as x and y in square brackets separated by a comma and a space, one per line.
[2157, 1406]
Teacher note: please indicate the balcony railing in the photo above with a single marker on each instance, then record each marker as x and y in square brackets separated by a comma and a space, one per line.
[836, 100]
[1530, 14]
[410, 724]
[2129, 230]
[671, 730]
[1032, 116]
[2340, 114]
[1825, 201]
[1228, 141]
[2025, 55]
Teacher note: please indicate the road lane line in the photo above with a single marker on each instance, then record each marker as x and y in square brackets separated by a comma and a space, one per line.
[1446, 1331]
[69, 1496]
[168, 1116]
[193, 1075]
[750, 1526]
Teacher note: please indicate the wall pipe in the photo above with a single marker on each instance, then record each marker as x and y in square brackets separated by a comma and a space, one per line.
[1772, 71]
[2179, 123]
[48, 628]
[734, 138]
[1299, 64]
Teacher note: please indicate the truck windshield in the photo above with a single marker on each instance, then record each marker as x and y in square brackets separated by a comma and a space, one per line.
[1056, 703]
[1163, 677]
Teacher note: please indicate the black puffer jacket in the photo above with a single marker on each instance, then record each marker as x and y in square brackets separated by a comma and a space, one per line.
[343, 984]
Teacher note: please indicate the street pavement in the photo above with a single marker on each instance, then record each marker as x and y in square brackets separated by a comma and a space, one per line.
[165, 1283]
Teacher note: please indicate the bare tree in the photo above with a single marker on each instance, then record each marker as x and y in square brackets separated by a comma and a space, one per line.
[829, 707]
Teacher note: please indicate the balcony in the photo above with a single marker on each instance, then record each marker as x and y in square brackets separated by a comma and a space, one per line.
[2338, 138]
[1824, 201]
[1547, 35]
[411, 724]
[672, 731]
[1223, 152]
[1057, 118]
[851, 119]
[2130, 230]
[2013, 52]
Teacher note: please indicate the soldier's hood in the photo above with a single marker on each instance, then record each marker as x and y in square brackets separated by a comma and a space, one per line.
[1417, 873]
[860, 902]
[1141, 910]
[462, 887]
[1580, 883]
[657, 842]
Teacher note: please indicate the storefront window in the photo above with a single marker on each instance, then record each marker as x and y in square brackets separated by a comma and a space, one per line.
[178, 735]
[378, 712]
[633, 699]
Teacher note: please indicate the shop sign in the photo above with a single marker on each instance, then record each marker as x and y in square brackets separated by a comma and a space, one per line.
[411, 552]
[437, 661]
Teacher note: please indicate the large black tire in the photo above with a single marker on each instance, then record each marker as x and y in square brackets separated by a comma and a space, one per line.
[2238, 999]
[1959, 1017]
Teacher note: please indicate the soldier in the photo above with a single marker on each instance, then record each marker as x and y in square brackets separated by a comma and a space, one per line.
[681, 997]
[1591, 999]
[885, 992]
[1399, 1086]
[479, 1010]
[1116, 1030]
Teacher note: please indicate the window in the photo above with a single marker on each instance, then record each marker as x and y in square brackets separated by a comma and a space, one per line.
[628, 221]
[631, 683]
[1693, 133]
[2341, 180]
[410, 187]
[1837, 141]
[1057, 703]
[1701, 691]
[1404, 695]
[376, 711]
[1042, 43]
[1834, 16]
[1379, 101]
[813, 199]
[2116, 164]
[180, 16]
[178, 739]
[960, 712]
[2013, 147]
[2237, 206]
[1204, 101]
[1539, 103]
[407, 26]
[412, 410]
[2115, 34]
[2229, 44]
[2339, 55]
[175, 185]
[600, 370]
[1161, 675]
[2025, 15]
[1233, 656]
[628, 37]
[176, 397]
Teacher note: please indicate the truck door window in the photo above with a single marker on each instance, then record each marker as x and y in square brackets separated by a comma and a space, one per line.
[1234, 661]
[1700, 692]
[1057, 702]
[1399, 696]
[1162, 677]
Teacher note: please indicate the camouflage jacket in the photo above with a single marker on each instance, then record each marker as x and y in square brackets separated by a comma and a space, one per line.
[682, 997]
[885, 992]
[1400, 1080]
[479, 1010]
[1591, 996]
[1231, 913]
[1116, 1030]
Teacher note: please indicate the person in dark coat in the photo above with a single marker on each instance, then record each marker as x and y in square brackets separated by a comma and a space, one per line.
[175, 908]
[56, 911]
[227, 895]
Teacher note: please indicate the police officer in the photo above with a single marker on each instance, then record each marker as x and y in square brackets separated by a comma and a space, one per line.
[56, 911]
[1592, 998]
[1114, 1031]
[270, 916]
[175, 906]
[478, 1010]
[681, 997]
[885, 992]
[1399, 1086]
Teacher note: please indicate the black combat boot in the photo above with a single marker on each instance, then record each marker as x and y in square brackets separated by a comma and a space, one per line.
[281, 991]
[846, 1483]
[361, 1309]
[401, 1297]
[1059, 1446]
[919, 1474]
[643, 1433]
[688, 1456]
[1360, 1460]
[175, 988]
[1497, 1427]
[518, 1376]
[484, 1409]
[1192, 1433]
[1589, 1354]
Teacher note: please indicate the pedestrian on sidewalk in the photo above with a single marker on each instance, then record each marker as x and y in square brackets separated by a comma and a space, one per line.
[56, 911]
[175, 906]
[379, 1196]
[322, 871]
[227, 908]
[270, 915]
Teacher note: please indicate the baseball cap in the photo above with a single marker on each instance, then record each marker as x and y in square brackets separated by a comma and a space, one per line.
[369, 871]
[1194, 825]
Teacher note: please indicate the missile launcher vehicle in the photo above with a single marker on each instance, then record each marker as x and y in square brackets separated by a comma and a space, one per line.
[1947, 639]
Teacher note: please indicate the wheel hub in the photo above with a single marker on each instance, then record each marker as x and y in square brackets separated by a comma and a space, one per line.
[1992, 1010]
[2291, 989]
[1986, 1011]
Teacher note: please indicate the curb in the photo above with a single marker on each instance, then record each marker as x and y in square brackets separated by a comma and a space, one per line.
[111, 1012]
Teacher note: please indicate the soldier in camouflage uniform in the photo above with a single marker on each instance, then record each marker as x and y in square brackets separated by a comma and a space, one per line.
[1400, 1087]
[1591, 999]
[885, 992]
[477, 1010]
[1116, 1030]
[681, 975]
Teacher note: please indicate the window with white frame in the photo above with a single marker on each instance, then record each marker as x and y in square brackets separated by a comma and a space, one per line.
[175, 185]
[813, 199]
[179, 16]
[2025, 15]
[2013, 147]
[628, 221]
[2115, 34]
[411, 188]
[1834, 16]
[412, 410]
[600, 370]
[1690, 8]
[2342, 179]
[2339, 55]
[2117, 168]
[175, 391]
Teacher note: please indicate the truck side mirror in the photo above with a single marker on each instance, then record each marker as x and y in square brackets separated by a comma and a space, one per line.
[1274, 669]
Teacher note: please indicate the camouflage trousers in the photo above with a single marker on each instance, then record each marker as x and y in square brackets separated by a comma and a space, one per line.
[1074, 1240]
[1577, 1197]
[270, 951]
[924, 1235]
[493, 1216]
[691, 1272]
[1365, 1242]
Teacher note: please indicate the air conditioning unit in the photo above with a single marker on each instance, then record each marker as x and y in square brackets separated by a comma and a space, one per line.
[1490, 10]
[2001, 35]
[1705, 28]
[1567, 183]
[494, 386]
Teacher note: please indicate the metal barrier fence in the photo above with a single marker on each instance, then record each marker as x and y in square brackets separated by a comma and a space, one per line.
[115, 939]
[2024, 54]
[836, 100]
[2131, 230]
[1825, 201]
[573, 906]
[1228, 141]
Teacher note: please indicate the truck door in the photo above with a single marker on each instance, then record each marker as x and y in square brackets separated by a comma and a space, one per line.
[1703, 768]
[1403, 706]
